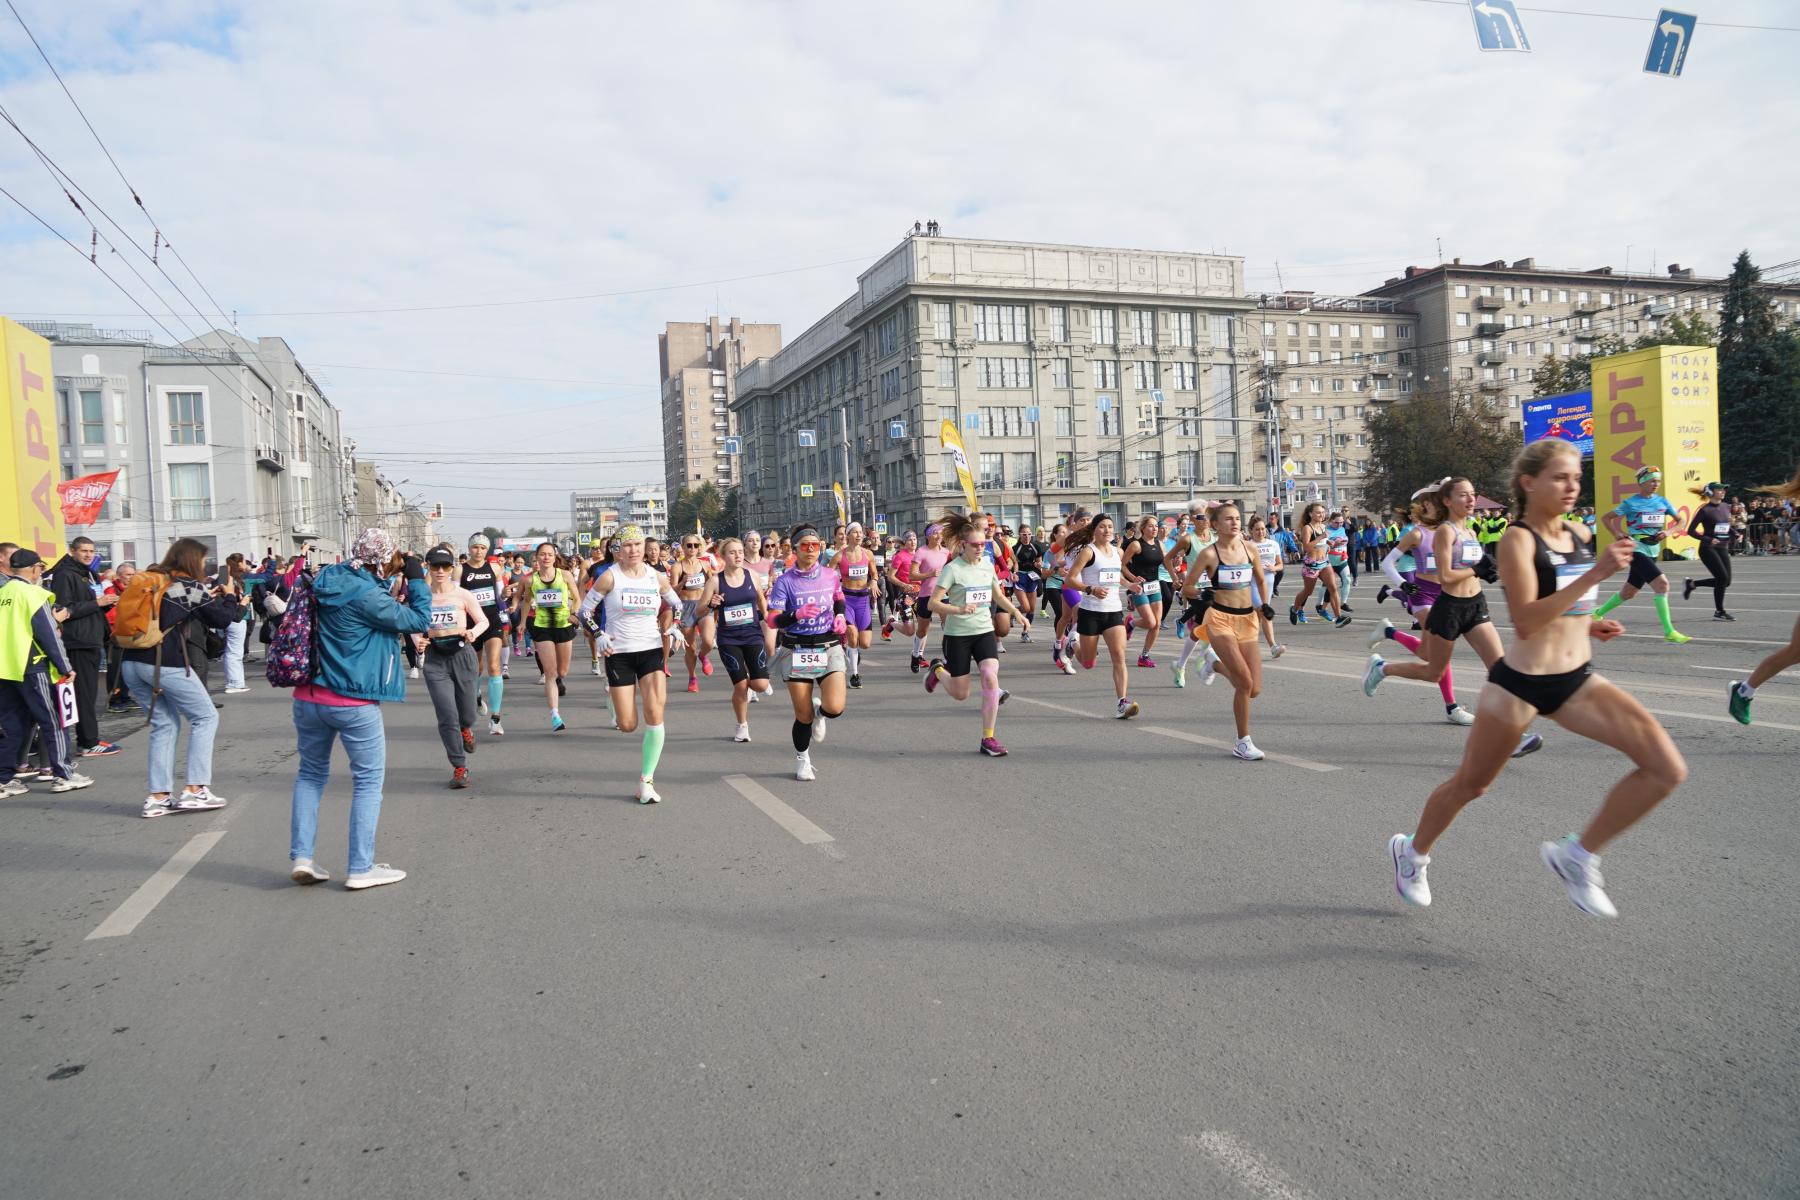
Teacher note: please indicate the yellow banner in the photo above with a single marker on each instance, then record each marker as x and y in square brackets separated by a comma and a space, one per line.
[953, 443]
[29, 508]
[837, 493]
[1657, 407]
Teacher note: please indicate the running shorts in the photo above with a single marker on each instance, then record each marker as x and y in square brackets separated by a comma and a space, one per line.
[1425, 594]
[807, 664]
[690, 613]
[551, 636]
[624, 668]
[495, 632]
[744, 662]
[1546, 693]
[1232, 624]
[1644, 571]
[962, 649]
[856, 610]
[1149, 596]
[1028, 581]
[1311, 570]
[1453, 616]
[1089, 623]
[1071, 596]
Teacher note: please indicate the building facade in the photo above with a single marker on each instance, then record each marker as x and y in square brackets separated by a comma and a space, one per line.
[604, 510]
[699, 363]
[1076, 376]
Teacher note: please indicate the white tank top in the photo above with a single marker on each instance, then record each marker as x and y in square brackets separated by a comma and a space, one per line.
[632, 607]
[1102, 571]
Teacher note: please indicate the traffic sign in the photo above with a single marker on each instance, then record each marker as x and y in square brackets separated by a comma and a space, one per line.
[880, 528]
[896, 430]
[1031, 413]
[809, 437]
[584, 538]
[1290, 468]
[972, 421]
[1157, 396]
[1103, 402]
[1669, 41]
[734, 445]
[806, 491]
[881, 518]
[1497, 25]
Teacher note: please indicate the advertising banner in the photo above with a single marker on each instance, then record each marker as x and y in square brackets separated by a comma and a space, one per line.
[29, 449]
[1569, 416]
[82, 498]
[1657, 407]
[953, 443]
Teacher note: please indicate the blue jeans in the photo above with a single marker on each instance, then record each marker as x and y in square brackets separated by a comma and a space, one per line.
[365, 743]
[183, 697]
[236, 634]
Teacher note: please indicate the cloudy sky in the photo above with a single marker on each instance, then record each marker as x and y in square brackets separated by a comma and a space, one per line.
[472, 219]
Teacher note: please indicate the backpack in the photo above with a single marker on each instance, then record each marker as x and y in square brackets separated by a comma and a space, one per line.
[294, 649]
[137, 619]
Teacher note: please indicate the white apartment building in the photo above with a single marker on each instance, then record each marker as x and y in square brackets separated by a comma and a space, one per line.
[603, 510]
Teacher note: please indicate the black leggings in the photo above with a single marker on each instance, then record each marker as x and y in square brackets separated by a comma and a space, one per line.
[1719, 563]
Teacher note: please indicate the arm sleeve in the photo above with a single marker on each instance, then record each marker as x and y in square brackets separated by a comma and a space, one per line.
[1390, 566]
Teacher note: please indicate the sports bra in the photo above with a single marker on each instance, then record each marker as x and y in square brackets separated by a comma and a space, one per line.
[1557, 569]
[1232, 577]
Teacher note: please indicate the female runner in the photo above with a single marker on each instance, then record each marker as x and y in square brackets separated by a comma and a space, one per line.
[1418, 591]
[1740, 694]
[483, 581]
[1315, 564]
[741, 605]
[457, 623]
[899, 577]
[689, 575]
[807, 606]
[966, 594]
[1551, 578]
[551, 593]
[1711, 524]
[1101, 607]
[1071, 592]
[855, 565]
[1143, 571]
[637, 608]
[1644, 517]
[1268, 553]
[1232, 619]
[926, 561]
[1029, 556]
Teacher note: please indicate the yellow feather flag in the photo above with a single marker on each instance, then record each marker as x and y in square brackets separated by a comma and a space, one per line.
[953, 443]
[837, 492]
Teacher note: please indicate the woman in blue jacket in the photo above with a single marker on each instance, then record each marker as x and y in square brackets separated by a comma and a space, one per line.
[356, 665]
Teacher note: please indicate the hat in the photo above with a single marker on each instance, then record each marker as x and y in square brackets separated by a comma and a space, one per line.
[478, 539]
[22, 558]
[374, 548]
[440, 557]
[1715, 487]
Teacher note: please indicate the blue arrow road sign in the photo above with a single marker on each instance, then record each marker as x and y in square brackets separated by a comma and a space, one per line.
[972, 421]
[809, 437]
[1669, 42]
[733, 446]
[1156, 395]
[896, 430]
[1103, 403]
[1031, 414]
[1497, 25]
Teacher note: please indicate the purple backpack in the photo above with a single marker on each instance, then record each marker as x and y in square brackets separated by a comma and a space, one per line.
[294, 650]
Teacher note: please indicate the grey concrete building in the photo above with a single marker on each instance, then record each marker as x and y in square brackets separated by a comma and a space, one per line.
[605, 509]
[699, 362]
[1076, 375]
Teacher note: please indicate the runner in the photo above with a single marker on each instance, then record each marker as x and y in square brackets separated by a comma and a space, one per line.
[458, 622]
[1268, 553]
[636, 607]
[899, 577]
[1739, 694]
[1644, 518]
[1143, 554]
[1315, 564]
[482, 581]
[1196, 594]
[966, 594]
[1550, 577]
[1101, 615]
[1071, 593]
[1029, 556]
[926, 561]
[1417, 590]
[689, 575]
[1711, 524]
[551, 592]
[855, 566]
[1337, 556]
[1232, 618]
[807, 606]
[741, 606]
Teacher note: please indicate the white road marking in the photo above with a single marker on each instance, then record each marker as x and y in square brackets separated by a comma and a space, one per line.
[1246, 1166]
[139, 904]
[1183, 735]
[1720, 719]
[779, 811]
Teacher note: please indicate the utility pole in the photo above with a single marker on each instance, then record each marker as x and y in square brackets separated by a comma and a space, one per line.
[1331, 461]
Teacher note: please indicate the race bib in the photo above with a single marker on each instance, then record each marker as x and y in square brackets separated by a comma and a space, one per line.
[1270, 555]
[638, 601]
[1722, 528]
[1234, 576]
[810, 658]
[443, 618]
[549, 598]
[740, 614]
[1568, 573]
[694, 581]
[1108, 577]
[978, 596]
[484, 596]
[859, 571]
[66, 709]
[1471, 552]
[1649, 522]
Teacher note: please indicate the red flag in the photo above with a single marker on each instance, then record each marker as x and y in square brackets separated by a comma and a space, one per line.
[82, 498]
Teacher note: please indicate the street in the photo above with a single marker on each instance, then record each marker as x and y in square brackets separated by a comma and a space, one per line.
[1116, 962]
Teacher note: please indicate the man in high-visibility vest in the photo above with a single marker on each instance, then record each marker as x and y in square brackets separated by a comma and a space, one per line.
[32, 662]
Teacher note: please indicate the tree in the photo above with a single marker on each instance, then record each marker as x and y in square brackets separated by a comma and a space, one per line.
[493, 535]
[705, 504]
[1560, 376]
[1433, 435]
[1758, 385]
[537, 531]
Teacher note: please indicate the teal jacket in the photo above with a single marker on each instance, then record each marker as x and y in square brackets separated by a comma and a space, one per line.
[359, 625]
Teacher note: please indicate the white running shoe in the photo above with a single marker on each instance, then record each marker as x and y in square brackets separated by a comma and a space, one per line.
[1456, 714]
[1277, 650]
[1374, 675]
[803, 768]
[1587, 888]
[1209, 667]
[742, 734]
[821, 725]
[1409, 871]
[1068, 665]
[1246, 750]
[412, 674]
[200, 801]
[1127, 709]
[13, 787]
[236, 691]
[303, 871]
[375, 876]
[755, 695]
[1531, 743]
[597, 669]
[1380, 634]
[646, 793]
[494, 727]
[74, 783]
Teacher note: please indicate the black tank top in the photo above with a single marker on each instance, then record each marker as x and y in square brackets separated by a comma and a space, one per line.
[1147, 558]
[484, 584]
[736, 603]
[1557, 569]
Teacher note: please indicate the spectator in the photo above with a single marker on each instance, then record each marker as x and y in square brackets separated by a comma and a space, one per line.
[32, 663]
[237, 633]
[84, 637]
[118, 697]
[355, 667]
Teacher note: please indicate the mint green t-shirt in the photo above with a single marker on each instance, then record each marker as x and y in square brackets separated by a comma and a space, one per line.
[968, 583]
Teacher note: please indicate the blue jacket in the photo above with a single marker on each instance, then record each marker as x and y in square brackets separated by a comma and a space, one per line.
[358, 626]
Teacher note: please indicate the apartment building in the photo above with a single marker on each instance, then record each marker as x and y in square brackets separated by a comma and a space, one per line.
[1076, 375]
[381, 505]
[1484, 328]
[603, 510]
[699, 362]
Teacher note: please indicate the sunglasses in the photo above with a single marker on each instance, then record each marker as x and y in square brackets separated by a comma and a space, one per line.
[809, 545]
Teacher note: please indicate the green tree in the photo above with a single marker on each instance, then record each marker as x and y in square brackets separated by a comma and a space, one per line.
[537, 531]
[1758, 385]
[705, 504]
[493, 535]
[1433, 435]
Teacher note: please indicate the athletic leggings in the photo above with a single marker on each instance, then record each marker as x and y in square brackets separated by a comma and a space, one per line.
[1719, 563]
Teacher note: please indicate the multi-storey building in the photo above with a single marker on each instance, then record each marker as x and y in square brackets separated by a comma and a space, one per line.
[699, 363]
[603, 510]
[1486, 328]
[380, 504]
[1076, 375]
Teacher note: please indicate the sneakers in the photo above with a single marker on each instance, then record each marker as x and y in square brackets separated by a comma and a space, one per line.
[413, 674]
[1295, 616]
[1343, 621]
[803, 768]
[1277, 650]
[556, 723]
[1409, 871]
[1456, 714]
[74, 783]
[646, 793]
[1738, 703]
[1127, 709]
[706, 667]
[821, 725]
[1209, 667]
[742, 734]
[1144, 660]
[102, 749]
[917, 662]
[1373, 676]
[237, 691]
[468, 739]
[1178, 669]
[1381, 633]
[459, 778]
[1068, 668]
[1722, 615]
[375, 876]
[494, 729]
[931, 675]
[303, 871]
[155, 807]
[1580, 873]
[1382, 594]
[1676, 639]
[887, 631]
[1531, 743]
[597, 669]
[1025, 638]
[1004, 696]
[992, 748]
[1687, 589]
[693, 684]
[1246, 750]
[201, 801]
[856, 680]
[13, 787]
[562, 689]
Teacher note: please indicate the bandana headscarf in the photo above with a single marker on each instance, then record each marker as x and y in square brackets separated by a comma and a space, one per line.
[630, 533]
[1646, 474]
[374, 548]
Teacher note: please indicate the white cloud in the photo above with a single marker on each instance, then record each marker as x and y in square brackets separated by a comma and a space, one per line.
[331, 155]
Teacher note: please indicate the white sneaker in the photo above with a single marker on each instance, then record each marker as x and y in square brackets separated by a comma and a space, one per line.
[742, 734]
[494, 727]
[646, 793]
[1380, 635]
[1068, 665]
[597, 669]
[1246, 750]
[200, 801]
[1374, 675]
[1209, 668]
[1277, 650]
[375, 876]
[74, 783]
[821, 725]
[1587, 888]
[12, 787]
[154, 807]
[412, 674]
[1127, 709]
[236, 691]
[755, 695]
[1409, 871]
[1456, 714]
[1531, 743]
[803, 768]
[303, 871]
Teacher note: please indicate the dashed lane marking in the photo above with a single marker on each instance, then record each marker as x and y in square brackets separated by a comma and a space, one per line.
[1184, 736]
[784, 814]
[1245, 1165]
[142, 902]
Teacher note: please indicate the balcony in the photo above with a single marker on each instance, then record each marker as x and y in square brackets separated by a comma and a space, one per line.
[1492, 385]
[1490, 358]
[269, 456]
[1380, 369]
[1585, 308]
[1489, 303]
[1488, 329]
[305, 527]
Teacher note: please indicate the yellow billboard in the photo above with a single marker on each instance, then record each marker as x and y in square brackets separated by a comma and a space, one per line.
[30, 512]
[1657, 407]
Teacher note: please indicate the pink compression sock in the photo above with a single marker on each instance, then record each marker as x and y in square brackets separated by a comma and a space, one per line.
[1446, 685]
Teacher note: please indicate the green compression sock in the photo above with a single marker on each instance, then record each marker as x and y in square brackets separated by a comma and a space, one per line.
[653, 743]
[1662, 612]
[1608, 606]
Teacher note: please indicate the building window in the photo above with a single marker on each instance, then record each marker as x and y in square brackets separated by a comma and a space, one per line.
[1185, 374]
[1024, 470]
[1312, 358]
[1059, 323]
[1110, 466]
[993, 474]
[1143, 375]
[1337, 330]
[1065, 472]
[1189, 426]
[1004, 421]
[1065, 421]
[1268, 328]
[1403, 332]
[887, 335]
[947, 479]
[1312, 329]
[190, 492]
[1378, 332]
[1149, 468]
[1318, 412]
[1000, 322]
[1181, 328]
[1293, 357]
[1002, 372]
[1187, 467]
[1315, 385]
[1337, 385]
[940, 320]
[1104, 333]
[1226, 461]
[187, 419]
[1059, 372]
[93, 419]
[1108, 422]
[890, 384]
[1293, 387]
[1318, 441]
[1462, 291]
[1143, 327]
[946, 372]
[1106, 373]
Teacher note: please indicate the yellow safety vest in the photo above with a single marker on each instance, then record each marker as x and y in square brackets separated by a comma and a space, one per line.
[19, 602]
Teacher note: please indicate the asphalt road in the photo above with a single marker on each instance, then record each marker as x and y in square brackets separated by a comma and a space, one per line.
[1115, 963]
